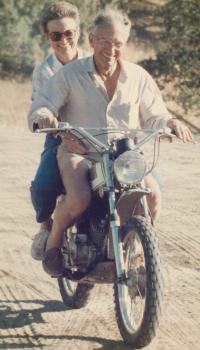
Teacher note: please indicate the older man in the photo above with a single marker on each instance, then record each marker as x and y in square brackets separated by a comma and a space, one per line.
[98, 91]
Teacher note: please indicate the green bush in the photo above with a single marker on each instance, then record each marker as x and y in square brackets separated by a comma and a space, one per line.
[20, 37]
[181, 19]
[178, 58]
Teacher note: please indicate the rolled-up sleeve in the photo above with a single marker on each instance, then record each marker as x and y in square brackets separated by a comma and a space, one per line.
[49, 99]
[153, 112]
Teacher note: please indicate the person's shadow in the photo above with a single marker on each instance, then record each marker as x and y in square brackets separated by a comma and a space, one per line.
[12, 319]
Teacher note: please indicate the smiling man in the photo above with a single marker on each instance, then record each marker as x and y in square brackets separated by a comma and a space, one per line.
[98, 91]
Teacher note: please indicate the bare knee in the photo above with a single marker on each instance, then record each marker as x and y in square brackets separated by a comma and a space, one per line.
[74, 173]
[154, 199]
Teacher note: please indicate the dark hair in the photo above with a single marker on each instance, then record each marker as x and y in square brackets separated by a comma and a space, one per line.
[57, 10]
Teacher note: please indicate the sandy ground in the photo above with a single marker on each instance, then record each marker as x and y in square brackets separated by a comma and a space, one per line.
[32, 315]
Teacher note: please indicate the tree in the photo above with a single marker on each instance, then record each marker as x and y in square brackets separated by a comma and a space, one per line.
[178, 57]
[20, 38]
[181, 54]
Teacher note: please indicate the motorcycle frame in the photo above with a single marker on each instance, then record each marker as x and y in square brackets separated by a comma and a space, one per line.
[114, 219]
[109, 188]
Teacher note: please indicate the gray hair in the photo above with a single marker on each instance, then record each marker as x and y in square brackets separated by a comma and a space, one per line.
[108, 17]
[58, 10]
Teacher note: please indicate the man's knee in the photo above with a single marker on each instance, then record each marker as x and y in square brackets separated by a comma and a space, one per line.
[73, 168]
[154, 199]
[155, 196]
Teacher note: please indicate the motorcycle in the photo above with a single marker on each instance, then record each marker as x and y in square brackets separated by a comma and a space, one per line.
[114, 240]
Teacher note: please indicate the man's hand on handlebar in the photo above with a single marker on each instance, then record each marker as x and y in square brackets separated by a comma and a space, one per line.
[47, 121]
[180, 130]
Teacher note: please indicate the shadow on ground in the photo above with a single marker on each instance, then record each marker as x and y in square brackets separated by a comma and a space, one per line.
[16, 314]
[28, 342]
[19, 315]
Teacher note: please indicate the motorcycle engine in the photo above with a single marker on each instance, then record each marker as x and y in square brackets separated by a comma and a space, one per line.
[85, 243]
[78, 253]
[99, 221]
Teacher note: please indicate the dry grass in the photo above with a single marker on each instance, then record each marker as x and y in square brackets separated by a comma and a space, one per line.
[15, 100]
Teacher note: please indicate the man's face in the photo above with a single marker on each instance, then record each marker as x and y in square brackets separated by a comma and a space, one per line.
[107, 43]
[63, 36]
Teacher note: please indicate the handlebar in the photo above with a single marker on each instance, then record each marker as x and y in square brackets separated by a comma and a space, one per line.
[64, 126]
[86, 133]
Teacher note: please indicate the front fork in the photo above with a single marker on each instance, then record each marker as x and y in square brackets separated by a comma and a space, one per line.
[114, 219]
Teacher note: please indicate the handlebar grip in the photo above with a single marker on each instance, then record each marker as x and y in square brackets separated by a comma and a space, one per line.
[173, 132]
[35, 126]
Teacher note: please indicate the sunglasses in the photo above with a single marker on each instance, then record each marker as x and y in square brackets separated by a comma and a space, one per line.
[57, 36]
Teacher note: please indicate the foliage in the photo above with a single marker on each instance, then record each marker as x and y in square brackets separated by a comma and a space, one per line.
[178, 58]
[181, 54]
[17, 48]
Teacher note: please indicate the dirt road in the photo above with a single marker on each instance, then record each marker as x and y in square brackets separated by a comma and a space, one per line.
[32, 315]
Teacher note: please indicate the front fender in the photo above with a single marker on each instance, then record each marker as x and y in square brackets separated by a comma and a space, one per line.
[127, 202]
[125, 206]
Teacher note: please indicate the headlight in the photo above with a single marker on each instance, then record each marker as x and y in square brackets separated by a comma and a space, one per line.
[130, 167]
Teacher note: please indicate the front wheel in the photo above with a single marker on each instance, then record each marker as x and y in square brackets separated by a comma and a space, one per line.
[138, 301]
[74, 295]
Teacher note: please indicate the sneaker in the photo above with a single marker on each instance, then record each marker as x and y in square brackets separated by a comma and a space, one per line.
[39, 244]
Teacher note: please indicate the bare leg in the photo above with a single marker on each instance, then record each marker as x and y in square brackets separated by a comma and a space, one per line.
[154, 200]
[74, 171]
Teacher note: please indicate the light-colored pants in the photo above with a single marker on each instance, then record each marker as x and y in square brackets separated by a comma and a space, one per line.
[74, 170]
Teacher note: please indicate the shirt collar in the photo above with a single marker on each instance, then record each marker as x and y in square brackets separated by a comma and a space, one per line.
[124, 68]
[90, 66]
[80, 53]
[57, 64]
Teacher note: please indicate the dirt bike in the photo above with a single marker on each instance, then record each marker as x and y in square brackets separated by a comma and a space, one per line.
[114, 240]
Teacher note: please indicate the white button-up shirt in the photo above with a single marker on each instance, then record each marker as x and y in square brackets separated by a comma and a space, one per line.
[77, 94]
[45, 70]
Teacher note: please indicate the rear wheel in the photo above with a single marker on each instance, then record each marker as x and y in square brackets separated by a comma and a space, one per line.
[138, 302]
[74, 295]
